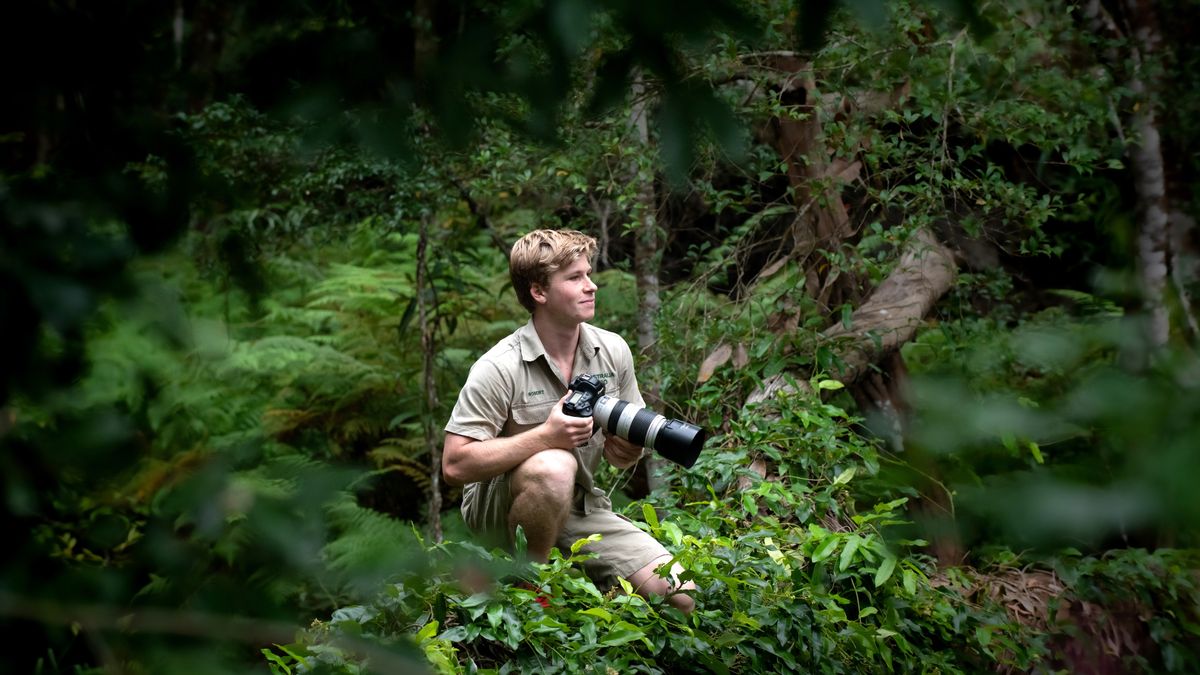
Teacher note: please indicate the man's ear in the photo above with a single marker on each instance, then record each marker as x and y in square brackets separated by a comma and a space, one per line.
[537, 293]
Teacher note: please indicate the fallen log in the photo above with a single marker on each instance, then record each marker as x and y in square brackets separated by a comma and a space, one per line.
[889, 317]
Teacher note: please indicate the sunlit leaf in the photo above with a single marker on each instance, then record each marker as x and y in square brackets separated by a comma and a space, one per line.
[885, 571]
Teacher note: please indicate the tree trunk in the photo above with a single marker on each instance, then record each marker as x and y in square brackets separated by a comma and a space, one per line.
[428, 352]
[1147, 161]
[822, 221]
[1146, 157]
[645, 252]
[424, 38]
[646, 258]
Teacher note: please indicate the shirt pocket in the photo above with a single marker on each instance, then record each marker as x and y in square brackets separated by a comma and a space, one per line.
[531, 414]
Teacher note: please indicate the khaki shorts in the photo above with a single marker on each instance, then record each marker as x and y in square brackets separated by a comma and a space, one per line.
[622, 550]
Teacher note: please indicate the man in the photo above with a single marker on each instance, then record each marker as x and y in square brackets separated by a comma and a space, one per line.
[523, 460]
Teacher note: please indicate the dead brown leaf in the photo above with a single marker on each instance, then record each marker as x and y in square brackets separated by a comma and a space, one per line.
[740, 357]
[719, 357]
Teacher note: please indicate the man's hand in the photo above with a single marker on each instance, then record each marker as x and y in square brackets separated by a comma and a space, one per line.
[620, 452]
[563, 431]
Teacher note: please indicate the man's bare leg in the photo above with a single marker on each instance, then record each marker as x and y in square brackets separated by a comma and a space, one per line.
[646, 582]
[542, 487]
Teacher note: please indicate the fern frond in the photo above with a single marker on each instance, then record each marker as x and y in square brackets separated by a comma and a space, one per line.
[369, 546]
[281, 421]
[416, 472]
[397, 451]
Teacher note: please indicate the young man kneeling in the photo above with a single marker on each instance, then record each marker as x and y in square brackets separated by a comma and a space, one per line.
[522, 459]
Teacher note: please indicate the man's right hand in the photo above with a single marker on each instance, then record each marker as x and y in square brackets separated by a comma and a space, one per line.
[563, 431]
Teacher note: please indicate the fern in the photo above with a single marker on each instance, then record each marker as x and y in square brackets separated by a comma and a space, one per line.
[368, 546]
[393, 450]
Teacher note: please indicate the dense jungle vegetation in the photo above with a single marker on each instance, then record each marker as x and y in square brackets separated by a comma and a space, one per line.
[924, 271]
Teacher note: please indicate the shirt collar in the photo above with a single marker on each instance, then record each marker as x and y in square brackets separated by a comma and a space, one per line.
[531, 344]
[589, 346]
[532, 347]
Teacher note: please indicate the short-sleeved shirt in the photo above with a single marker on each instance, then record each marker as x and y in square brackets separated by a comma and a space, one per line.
[513, 387]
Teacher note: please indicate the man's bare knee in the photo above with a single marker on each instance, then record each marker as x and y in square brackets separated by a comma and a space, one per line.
[541, 498]
[551, 471]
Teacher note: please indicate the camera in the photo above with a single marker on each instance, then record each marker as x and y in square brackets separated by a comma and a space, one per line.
[676, 440]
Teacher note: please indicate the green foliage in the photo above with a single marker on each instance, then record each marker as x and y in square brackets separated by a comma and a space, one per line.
[233, 432]
[1130, 581]
[793, 576]
[1062, 433]
[786, 584]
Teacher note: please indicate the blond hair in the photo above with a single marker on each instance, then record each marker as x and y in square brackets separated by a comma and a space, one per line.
[541, 253]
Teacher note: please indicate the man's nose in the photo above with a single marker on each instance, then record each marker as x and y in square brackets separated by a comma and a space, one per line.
[591, 285]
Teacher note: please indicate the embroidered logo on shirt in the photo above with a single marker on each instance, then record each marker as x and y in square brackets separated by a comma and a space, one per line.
[536, 392]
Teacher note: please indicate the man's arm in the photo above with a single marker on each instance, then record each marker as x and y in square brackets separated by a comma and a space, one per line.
[467, 460]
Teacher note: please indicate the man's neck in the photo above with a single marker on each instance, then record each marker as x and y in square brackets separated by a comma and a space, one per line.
[559, 340]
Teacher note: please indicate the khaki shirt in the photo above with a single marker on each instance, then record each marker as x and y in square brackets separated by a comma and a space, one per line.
[514, 385]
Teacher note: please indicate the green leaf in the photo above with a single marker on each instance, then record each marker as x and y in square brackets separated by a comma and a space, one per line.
[673, 532]
[580, 543]
[494, 614]
[845, 476]
[599, 613]
[848, 553]
[407, 317]
[1037, 453]
[651, 517]
[520, 543]
[277, 660]
[774, 553]
[885, 571]
[427, 631]
[749, 504]
[910, 581]
[620, 636]
[826, 549]
[746, 620]
[475, 601]
[830, 384]
[984, 635]
[290, 652]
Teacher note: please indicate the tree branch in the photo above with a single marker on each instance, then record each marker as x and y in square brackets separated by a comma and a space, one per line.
[481, 217]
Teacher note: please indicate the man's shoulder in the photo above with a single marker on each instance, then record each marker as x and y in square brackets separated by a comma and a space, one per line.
[504, 354]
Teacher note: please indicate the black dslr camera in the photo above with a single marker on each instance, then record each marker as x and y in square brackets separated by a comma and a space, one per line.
[676, 440]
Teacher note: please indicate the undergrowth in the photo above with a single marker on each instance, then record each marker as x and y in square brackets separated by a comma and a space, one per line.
[792, 577]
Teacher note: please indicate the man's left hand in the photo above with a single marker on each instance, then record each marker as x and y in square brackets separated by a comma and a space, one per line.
[620, 452]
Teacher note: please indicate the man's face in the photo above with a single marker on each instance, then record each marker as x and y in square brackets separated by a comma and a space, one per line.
[570, 295]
